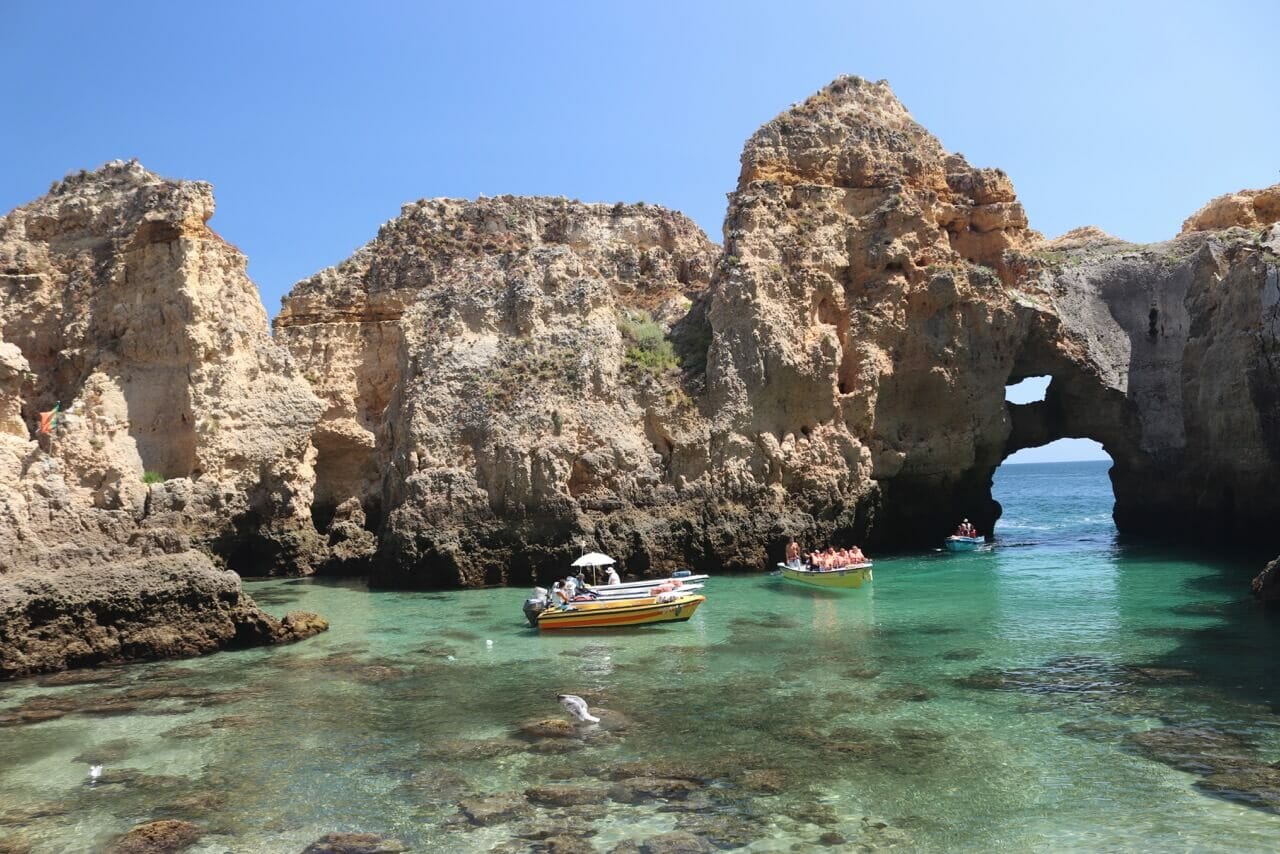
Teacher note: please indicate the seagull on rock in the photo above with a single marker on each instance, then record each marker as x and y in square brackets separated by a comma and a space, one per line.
[577, 707]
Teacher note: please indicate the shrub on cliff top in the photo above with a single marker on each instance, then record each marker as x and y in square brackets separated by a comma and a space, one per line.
[152, 477]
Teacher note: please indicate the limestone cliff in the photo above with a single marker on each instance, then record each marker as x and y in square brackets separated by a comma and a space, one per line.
[182, 425]
[502, 382]
[877, 295]
[844, 359]
[864, 323]
[179, 410]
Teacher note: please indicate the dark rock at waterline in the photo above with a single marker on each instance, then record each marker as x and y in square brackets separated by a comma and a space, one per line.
[1254, 784]
[494, 809]
[79, 677]
[157, 837]
[635, 790]
[355, 843]
[1266, 584]
[96, 608]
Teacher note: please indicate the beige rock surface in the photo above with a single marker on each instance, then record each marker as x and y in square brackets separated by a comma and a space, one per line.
[864, 324]
[488, 398]
[183, 425]
[140, 320]
[488, 386]
[1251, 209]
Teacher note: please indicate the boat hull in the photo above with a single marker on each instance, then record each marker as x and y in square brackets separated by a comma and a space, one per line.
[628, 612]
[849, 578]
[963, 544]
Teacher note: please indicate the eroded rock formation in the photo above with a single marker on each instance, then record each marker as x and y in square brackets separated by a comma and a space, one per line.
[181, 423]
[500, 385]
[844, 369]
[140, 320]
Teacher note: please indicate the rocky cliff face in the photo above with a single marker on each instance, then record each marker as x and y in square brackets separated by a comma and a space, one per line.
[844, 368]
[865, 324]
[182, 425]
[139, 319]
[878, 294]
[488, 386]
[503, 380]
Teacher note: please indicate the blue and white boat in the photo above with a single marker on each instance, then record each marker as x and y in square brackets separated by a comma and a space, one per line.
[963, 544]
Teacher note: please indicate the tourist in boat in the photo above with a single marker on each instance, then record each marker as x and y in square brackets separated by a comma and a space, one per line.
[843, 559]
[829, 558]
[856, 555]
[612, 577]
[793, 554]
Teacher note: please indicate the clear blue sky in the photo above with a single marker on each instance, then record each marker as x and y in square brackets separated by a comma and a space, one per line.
[315, 121]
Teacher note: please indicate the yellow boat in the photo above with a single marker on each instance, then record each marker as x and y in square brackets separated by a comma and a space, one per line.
[622, 612]
[848, 578]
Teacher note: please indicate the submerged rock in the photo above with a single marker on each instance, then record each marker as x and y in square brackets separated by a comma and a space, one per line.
[549, 728]
[1254, 784]
[466, 748]
[635, 790]
[15, 845]
[565, 794]
[355, 843]
[157, 837]
[1199, 749]
[494, 809]
[676, 842]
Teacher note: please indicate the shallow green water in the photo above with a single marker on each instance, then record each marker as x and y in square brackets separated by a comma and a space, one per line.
[969, 702]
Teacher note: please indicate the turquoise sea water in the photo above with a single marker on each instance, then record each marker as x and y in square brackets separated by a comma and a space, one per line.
[991, 701]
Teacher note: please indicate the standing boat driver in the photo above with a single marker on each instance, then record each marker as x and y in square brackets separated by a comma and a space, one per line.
[793, 554]
[612, 577]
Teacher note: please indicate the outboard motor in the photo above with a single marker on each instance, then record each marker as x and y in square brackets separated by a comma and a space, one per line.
[535, 605]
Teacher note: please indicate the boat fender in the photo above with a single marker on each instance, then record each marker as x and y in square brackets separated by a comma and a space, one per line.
[682, 573]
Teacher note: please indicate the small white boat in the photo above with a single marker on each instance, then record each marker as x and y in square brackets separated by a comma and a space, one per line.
[681, 585]
[963, 544]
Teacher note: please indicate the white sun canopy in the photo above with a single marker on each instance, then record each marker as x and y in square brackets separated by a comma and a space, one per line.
[594, 559]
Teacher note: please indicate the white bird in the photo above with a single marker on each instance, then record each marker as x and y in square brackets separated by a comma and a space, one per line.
[95, 771]
[577, 707]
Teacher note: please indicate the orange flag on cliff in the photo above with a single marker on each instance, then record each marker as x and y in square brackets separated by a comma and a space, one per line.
[49, 420]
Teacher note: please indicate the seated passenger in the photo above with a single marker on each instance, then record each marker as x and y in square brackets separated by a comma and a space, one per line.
[856, 555]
